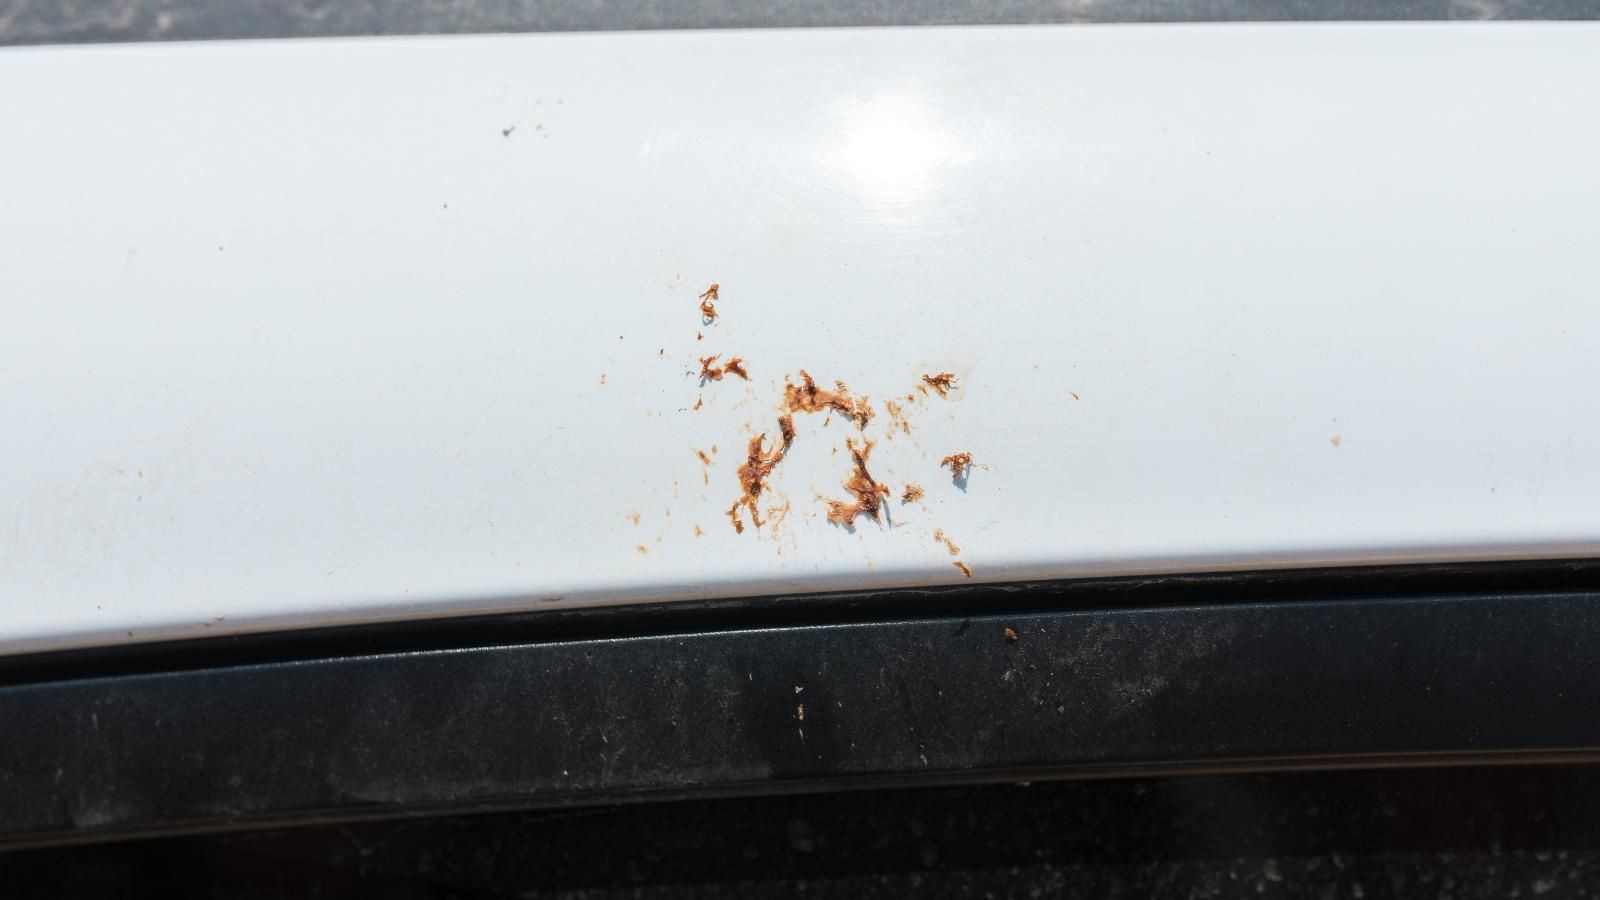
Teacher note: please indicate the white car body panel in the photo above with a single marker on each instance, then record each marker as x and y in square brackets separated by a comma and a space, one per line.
[297, 334]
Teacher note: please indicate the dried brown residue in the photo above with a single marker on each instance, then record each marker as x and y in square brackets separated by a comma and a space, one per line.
[960, 464]
[965, 569]
[698, 402]
[897, 416]
[808, 398]
[703, 457]
[869, 494]
[941, 382]
[642, 548]
[602, 378]
[1074, 395]
[709, 372]
[735, 366]
[912, 493]
[939, 538]
[698, 532]
[708, 308]
[699, 336]
[759, 463]
[1336, 440]
[633, 517]
[1011, 634]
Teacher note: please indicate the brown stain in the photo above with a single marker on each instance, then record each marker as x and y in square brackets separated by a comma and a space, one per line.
[633, 517]
[806, 397]
[939, 538]
[912, 493]
[1011, 634]
[1074, 394]
[709, 372]
[699, 336]
[869, 494]
[735, 366]
[699, 402]
[698, 531]
[941, 382]
[759, 463]
[960, 464]
[1336, 440]
[897, 416]
[965, 569]
[708, 308]
[703, 457]
[642, 548]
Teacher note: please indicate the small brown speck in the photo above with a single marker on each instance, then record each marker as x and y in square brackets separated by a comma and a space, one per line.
[939, 538]
[912, 493]
[697, 531]
[662, 352]
[708, 309]
[1011, 634]
[941, 382]
[698, 402]
[703, 457]
[642, 548]
[965, 569]
[1074, 394]
[1336, 440]
[800, 712]
[698, 336]
[735, 366]
[959, 464]
[633, 517]
[602, 378]
[708, 372]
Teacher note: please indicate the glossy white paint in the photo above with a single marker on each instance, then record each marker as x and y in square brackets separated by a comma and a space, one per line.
[294, 334]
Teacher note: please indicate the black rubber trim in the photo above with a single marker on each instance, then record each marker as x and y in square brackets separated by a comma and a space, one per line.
[1439, 678]
[844, 607]
[23, 22]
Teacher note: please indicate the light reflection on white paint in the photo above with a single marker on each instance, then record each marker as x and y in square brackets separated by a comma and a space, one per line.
[895, 146]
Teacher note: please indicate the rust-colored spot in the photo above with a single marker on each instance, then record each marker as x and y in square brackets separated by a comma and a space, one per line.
[939, 538]
[869, 494]
[941, 382]
[808, 398]
[708, 308]
[912, 493]
[698, 532]
[965, 569]
[1011, 634]
[699, 336]
[642, 548]
[735, 366]
[709, 372]
[698, 402]
[758, 464]
[703, 457]
[959, 463]
[634, 517]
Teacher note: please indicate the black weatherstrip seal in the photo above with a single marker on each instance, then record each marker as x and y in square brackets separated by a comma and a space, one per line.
[1344, 668]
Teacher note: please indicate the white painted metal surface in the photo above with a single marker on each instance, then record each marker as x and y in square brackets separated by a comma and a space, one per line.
[299, 333]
